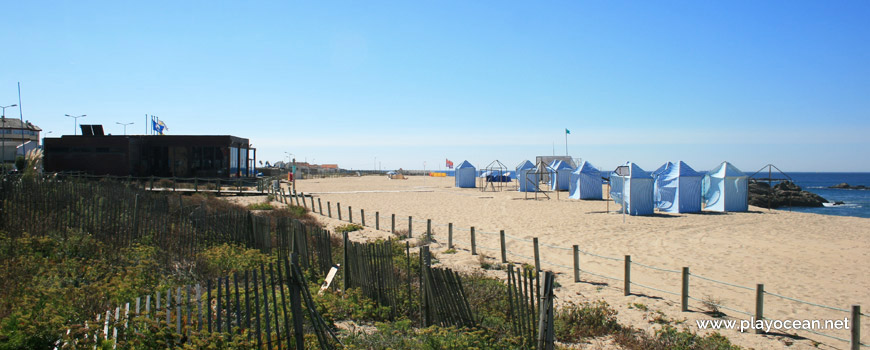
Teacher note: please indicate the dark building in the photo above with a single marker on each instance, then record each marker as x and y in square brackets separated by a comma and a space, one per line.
[152, 155]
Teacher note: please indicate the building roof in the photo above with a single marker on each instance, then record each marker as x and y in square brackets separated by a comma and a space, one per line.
[15, 123]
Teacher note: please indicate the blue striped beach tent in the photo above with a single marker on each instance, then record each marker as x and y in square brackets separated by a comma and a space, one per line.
[634, 190]
[725, 188]
[560, 175]
[527, 177]
[677, 188]
[465, 175]
[585, 182]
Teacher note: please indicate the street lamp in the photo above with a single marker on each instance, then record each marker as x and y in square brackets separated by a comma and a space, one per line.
[125, 126]
[4, 129]
[76, 121]
[44, 137]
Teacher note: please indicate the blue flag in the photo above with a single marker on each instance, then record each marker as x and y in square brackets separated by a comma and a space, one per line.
[567, 131]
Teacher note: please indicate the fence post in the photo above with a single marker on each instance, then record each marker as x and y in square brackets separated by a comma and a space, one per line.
[304, 205]
[576, 250]
[759, 305]
[410, 226]
[473, 243]
[319, 206]
[856, 327]
[338, 208]
[219, 187]
[329, 208]
[450, 236]
[537, 256]
[362, 215]
[174, 182]
[377, 221]
[393, 226]
[196, 185]
[346, 268]
[429, 229]
[349, 214]
[503, 249]
[684, 297]
[627, 287]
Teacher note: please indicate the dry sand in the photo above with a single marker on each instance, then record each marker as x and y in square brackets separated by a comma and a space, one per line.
[817, 258]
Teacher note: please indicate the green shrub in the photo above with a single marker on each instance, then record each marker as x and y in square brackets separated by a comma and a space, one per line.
[260, 206]
[400, 335]
[573, 322]
[51, 281]
[226, 259]
[348, 228]
[350, 305]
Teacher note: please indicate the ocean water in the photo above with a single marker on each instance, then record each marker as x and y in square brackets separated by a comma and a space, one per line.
[857, 202]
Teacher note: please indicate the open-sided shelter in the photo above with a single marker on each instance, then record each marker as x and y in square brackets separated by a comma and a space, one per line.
[678, 188]
[633, 190]
[560, 175]
[726, 188]
[466, 175]
[585, 182]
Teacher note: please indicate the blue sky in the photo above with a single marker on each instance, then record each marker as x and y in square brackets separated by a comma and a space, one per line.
[751, 82]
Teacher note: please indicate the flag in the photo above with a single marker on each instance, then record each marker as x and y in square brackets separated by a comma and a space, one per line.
[449, 163]
[162, 126]
[567, 131]
[154, 126]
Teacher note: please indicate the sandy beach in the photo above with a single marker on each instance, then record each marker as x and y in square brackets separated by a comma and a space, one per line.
[815, 258]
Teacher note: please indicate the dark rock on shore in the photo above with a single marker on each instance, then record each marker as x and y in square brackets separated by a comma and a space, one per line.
[845, 186]
[783, 194]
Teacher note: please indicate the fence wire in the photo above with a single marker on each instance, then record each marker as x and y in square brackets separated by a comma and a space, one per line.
[720, 282]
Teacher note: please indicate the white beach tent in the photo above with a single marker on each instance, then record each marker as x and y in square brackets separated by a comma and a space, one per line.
[585, 182]
[634, 190]
[726, 188]
[465, 175]
[527, 177]
[560, 175]
[678, 188]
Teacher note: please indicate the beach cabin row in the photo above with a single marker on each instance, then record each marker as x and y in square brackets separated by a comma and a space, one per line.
[672, 188]
[677, 188]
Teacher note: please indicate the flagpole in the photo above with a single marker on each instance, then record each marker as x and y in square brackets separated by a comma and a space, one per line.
[566, 142]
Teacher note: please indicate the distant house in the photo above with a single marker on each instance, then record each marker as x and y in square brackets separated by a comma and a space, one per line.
[14, 133]
[184, 156]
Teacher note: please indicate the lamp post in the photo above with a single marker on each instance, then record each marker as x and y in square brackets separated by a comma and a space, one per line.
[44, 137]
[125, 126]
[4, 132]
[76, 121]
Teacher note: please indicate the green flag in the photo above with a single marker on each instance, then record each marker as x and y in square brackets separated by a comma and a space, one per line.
[567, 131]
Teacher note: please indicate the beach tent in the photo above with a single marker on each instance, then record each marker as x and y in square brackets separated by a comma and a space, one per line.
[634, 190]
[560, 175]
[465, 175]
[585, 182]
[677, 188]
[725, 188]
[527, 177]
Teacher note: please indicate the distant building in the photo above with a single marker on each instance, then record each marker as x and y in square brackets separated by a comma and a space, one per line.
[14, 133]
[183, 156]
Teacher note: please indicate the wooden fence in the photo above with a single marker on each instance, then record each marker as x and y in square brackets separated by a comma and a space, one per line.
[267, 305]
[453, 239]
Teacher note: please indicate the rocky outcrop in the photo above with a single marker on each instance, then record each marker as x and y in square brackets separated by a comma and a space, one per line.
[845, 186]
[783, 194]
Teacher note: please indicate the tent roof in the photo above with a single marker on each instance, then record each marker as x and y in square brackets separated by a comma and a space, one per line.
[465, 164]
[726, 170]
[586, 168]
[525, 165]
[560, 165]
[636, 172]
[680, 169]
